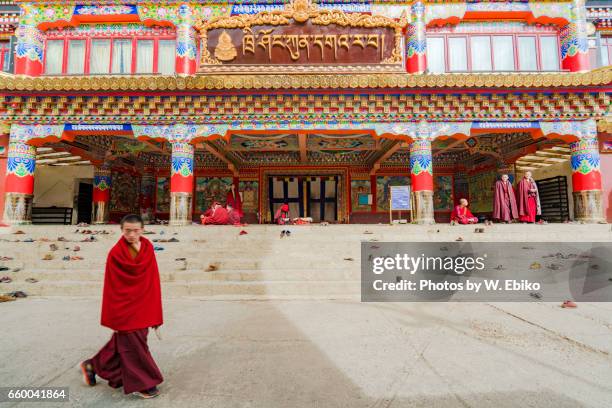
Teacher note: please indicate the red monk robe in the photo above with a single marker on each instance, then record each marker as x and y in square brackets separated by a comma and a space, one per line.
[282, 214]
[131, 303]
[235, 201]
[217, 216]
[504, 204]
[463, 215]
[528, 200]
[232, 217]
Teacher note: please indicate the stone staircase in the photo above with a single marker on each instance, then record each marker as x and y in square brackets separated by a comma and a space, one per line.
[315, 262]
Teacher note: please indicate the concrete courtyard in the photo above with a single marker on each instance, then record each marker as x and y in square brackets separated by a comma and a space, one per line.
[308, 353]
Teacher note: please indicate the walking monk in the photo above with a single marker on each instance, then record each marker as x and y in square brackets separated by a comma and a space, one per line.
[504, 204]
[131, 303]
[528, 199]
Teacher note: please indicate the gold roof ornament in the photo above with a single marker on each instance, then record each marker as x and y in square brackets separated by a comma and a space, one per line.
[301, 10]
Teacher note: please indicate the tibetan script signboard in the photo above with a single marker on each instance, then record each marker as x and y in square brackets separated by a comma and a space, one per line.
[301, 37]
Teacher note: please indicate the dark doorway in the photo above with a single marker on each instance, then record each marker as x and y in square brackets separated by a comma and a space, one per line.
[84, 203]
[554, 199]
[307, 196]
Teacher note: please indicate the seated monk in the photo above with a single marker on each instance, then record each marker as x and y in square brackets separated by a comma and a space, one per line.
[233, 216]
[282, 214]
[217, 215]
[462, 214]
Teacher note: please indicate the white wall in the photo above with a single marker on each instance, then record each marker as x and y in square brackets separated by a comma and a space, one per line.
[559, 169]
[58, 186]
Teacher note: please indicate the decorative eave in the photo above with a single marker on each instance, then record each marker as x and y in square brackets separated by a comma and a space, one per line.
[598, 77]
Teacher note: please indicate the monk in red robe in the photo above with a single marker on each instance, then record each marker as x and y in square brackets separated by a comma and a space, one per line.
[282, 214]
[131, 303]
[234, 200]
[233, 217]
[528, 199]
[217, 215]
[461, 214]
[504, 204]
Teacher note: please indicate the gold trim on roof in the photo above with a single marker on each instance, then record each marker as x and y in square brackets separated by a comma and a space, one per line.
[601, 76]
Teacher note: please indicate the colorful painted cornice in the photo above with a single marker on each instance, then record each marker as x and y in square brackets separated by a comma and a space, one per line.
[382, 106]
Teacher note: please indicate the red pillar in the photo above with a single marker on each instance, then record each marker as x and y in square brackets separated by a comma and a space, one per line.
[421, 175]
[19, 182]
[586, 176]
[181, 183]
[416, 41]
[186, 44]
[574, 42]
[29, 50]
[101, 195]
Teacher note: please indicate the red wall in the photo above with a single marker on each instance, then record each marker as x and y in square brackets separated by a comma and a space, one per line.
[606, 184]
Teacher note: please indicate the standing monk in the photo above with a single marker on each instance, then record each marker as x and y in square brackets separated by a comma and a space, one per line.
[131, 303]
[504, 204]
[529, 199]
[234, 200]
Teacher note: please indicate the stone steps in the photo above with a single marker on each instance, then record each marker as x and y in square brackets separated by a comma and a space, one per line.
[201, 288]
[260, 265]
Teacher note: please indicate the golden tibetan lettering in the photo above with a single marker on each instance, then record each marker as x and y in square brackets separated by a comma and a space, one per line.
[301, 37]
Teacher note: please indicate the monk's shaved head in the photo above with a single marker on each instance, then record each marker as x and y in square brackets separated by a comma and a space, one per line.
[132, 227]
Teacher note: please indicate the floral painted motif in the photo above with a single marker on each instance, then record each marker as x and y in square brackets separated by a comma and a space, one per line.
[573, 39]
[182, 159]
[30, 42]
[420, 157]
[102, 182]
[585, 155]
[21, 159]
[24, 133]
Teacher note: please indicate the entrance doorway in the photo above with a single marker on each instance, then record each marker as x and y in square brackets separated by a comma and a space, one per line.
[84, 203]
[307, 196]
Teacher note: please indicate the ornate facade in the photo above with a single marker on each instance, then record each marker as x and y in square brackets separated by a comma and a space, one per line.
[324, 105]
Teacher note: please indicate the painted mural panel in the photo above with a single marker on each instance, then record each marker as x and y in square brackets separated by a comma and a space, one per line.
[481, 191]
[383, 190]
[162, 196]
[209, 189]
[443, 193]
[250, 195]
[360, 189]
[125, 193]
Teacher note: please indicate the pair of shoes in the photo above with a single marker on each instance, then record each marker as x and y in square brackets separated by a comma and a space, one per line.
[285, 233]
[89, 375]
[146, 394]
